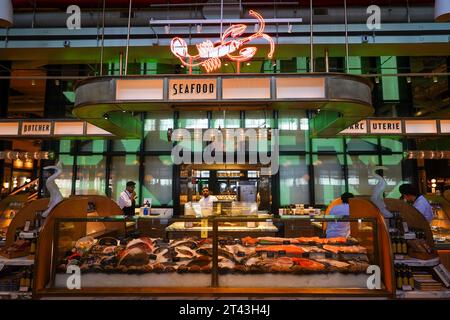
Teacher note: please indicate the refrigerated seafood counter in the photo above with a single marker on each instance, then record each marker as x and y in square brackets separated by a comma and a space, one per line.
[215, 255]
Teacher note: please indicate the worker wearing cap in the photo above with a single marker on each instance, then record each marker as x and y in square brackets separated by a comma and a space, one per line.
[411, 194]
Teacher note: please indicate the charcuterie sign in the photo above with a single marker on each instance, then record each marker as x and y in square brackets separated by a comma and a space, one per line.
[231, 46]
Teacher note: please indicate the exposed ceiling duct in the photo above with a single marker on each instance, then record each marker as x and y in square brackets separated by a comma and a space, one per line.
[442, 10]
[6, 13]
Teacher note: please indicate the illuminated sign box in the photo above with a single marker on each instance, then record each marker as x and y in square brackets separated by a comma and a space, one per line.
[36, 128]
[9, 128]
[140, 89]
[94, 130]
[445, 126]
[68, 128]
[192, 89]
[357, 128]
[246, 88]
[420, 126]
[385, 126]
[300, 88]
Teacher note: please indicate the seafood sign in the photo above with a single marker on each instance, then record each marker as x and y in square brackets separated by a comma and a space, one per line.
[230, 45]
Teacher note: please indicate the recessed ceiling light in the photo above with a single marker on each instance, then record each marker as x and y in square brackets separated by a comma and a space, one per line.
[248, 63]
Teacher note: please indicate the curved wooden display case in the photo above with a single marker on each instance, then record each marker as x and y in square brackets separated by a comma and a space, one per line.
[411, 216]
[26, 213]
[376, 238]
[76, 207]
[363, 208]
[5, 203]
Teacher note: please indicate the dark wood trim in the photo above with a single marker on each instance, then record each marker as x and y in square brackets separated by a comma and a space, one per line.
[204, 291]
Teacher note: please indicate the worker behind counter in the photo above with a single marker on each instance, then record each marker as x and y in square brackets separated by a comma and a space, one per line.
[207, 199]
[411, 194]
[127, 200]
[340, 229]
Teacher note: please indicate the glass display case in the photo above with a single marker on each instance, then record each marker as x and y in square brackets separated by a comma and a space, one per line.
[224, 208]
[8, 210]
[440, 225]
[219, 255]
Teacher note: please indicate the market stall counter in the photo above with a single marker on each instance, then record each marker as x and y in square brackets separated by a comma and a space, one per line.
[212, 262]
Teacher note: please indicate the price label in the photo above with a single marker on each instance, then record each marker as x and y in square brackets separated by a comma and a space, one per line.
[204, 228]
[406, 288]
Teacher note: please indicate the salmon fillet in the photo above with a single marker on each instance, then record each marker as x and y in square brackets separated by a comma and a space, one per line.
[289, 249]
[277, 240]
[345, 249]
[337, 240]
[309, 240]
[249, 241]
[308, 264]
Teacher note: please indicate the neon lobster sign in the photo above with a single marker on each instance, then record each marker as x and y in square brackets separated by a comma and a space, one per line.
[230, 46]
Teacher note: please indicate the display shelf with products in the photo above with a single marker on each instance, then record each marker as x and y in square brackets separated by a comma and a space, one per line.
[9, 207]
[440, 225]
[417, 262]
[22, 261]
[423, 294]
[16, 281]
[418, 269]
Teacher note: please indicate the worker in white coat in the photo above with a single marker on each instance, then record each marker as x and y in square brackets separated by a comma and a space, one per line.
[340, 229]
[412, 195]
[207, 199]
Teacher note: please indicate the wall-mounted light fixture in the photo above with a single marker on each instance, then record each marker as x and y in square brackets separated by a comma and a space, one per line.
[18, 164]
[6, 13]
[442, 10]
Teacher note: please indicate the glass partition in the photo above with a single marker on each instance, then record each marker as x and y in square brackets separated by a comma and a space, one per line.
[294, 180]
[360, 179]
[123, 169]
[294, 129]
[329, 182]
[155, 128]
[158, 180]
[90, 175]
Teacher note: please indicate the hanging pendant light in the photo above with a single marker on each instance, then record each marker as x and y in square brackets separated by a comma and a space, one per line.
[6, 13]
[442, 10]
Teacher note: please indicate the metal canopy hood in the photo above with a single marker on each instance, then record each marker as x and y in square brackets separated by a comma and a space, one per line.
[342, 99]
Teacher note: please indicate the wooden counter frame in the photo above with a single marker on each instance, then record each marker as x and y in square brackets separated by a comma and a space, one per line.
[42, 291]
[73, 207]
